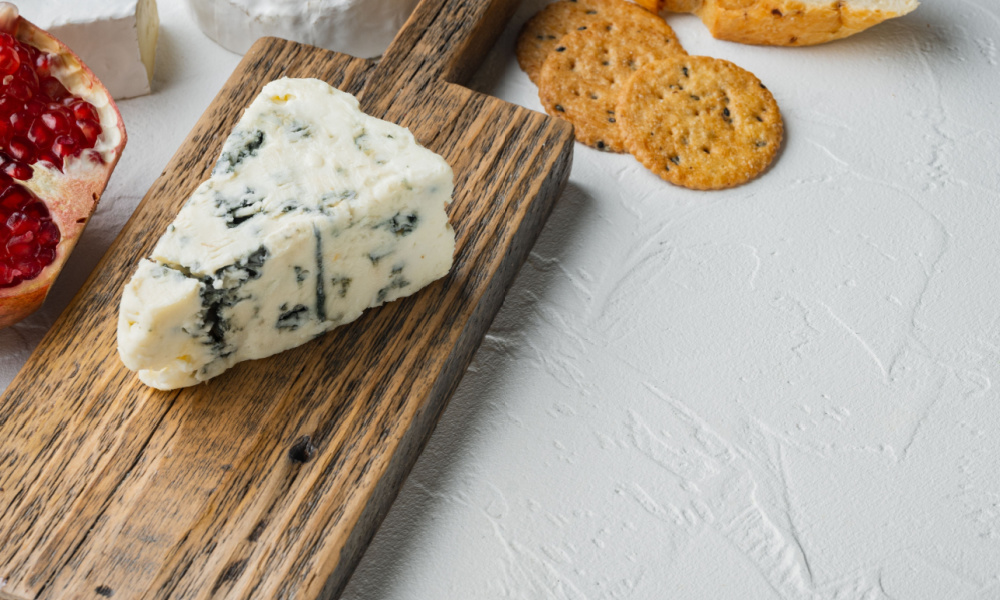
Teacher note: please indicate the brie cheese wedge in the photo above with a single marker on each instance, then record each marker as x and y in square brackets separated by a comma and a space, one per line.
[115, 38]
[313, 213]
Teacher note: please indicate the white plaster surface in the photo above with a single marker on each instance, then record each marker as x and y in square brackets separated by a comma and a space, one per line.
[782, 390]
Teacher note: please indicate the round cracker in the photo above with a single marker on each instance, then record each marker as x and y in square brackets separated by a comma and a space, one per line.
[541, 34]
[699, 122]
[580, 80]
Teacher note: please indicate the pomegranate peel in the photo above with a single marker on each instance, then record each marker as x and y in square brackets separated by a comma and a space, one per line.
[61, 136]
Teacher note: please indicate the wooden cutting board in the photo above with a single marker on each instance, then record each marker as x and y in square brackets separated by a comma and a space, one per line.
[112, 489]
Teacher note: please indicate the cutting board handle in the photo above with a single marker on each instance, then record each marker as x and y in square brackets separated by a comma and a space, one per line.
[442, 39]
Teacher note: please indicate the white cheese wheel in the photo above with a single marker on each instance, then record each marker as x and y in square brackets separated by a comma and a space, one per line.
[362, 28]
[115, 38]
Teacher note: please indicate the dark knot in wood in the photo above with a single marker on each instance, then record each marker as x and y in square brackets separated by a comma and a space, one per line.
[303, 450]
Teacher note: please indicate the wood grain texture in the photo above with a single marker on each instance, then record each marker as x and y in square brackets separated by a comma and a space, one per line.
[269, 481]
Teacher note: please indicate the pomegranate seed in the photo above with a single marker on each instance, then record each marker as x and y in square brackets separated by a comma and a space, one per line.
[36, 211]
[34, 107]
[64, 146]
[18, 245]
[9, 106]
[20, 149]
[20, 171]
[48, 235]
[13, 200]
[84, 110]
[56, 122]
[19, 90]
[18, 223]
[39, 134]
[43, 64]
[9, 61]
[27, 74]
[28, 267]
[20, 121]
[90, 131]
[47, 157]
[22, 52]
[50, 87]
[47, 254]
[6, 276]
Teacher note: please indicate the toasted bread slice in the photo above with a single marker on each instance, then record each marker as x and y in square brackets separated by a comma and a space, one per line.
[786, 22]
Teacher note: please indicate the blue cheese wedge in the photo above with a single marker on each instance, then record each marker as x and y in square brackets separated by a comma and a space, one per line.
[313, 213]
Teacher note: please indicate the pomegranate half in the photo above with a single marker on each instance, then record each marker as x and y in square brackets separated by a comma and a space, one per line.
[60, 138]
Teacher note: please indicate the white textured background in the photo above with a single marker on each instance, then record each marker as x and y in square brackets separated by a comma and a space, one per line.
[778, 391]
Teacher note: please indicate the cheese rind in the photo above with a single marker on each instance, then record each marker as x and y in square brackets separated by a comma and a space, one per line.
[362, 28]
[313, 213]
[115, 38]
